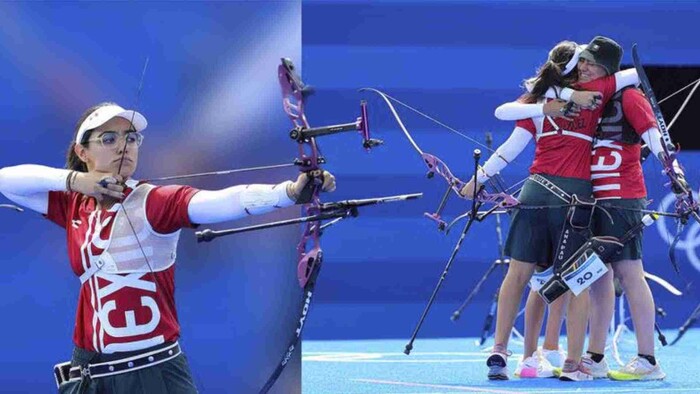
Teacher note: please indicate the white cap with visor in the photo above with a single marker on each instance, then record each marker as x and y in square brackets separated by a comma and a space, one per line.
[103, 114]
[574, 59]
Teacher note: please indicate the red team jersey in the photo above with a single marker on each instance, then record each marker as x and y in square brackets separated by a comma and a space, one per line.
[563, 147]
[121, 312]
[616, 169]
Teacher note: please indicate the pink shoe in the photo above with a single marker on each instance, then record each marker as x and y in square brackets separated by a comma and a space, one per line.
[534, 366]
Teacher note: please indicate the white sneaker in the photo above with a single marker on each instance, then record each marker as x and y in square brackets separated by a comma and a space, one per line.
[534, 366]
[555, 357]
[574, 373]
[598, 370]
[498, 366]
[638, 369]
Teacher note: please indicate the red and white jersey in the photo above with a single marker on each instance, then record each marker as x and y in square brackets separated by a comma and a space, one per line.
[563, 146]
[616, 171]
[124, 306]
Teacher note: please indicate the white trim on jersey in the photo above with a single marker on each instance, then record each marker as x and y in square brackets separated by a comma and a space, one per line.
[606, 187]
[605, 175]
[558, 131]
[577, 135]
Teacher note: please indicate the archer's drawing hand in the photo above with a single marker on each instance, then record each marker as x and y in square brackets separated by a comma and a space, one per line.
[100, 185]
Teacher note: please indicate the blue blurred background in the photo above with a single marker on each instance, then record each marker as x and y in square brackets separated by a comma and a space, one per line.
[210, 94]
[458, 60]
[212, 100]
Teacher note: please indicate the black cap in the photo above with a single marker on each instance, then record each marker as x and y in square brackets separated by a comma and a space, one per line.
[605, 52]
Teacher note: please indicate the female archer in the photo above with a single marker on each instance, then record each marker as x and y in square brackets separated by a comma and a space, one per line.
[122, 237]
[618, 186]
[561, 167]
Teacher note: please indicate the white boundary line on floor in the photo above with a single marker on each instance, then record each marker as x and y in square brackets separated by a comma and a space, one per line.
[377, 357]
[438, 386]
[539, 390]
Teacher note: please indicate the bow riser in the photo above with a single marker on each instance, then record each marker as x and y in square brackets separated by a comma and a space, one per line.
[309, 263]
[309, 252]
[503, 200]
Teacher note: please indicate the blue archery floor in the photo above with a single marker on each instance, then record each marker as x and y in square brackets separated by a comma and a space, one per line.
[451, 365]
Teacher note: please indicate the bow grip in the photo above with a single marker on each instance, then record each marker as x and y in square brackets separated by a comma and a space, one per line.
[307, 193]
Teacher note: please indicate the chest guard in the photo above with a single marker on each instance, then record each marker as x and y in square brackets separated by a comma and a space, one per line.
[613, 125]
[132, 241]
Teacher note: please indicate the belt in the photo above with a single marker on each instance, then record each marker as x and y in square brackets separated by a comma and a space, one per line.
[123, 365]
[552, 187]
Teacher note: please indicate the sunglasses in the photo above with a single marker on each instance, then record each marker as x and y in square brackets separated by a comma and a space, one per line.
[109, 139]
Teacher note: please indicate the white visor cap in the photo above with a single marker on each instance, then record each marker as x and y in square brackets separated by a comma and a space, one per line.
[574, 59]
[101, 115]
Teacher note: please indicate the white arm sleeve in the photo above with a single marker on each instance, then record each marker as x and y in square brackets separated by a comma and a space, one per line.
[505, 153]
[29, 185]
[236, 202]
[652, 138]
[516, 110]
[625, 78]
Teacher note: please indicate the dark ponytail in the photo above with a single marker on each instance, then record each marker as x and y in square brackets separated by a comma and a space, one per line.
[73, 162]
[550, 73]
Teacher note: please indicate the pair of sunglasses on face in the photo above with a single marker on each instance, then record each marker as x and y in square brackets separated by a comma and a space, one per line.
[109, 139]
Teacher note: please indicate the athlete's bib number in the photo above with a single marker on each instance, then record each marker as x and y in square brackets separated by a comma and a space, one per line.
[588, 272]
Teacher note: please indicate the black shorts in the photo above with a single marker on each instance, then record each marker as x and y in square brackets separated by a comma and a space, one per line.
[534, 233]
[625, 214]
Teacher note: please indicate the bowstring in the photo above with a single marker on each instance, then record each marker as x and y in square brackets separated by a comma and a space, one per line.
[687, 99]
[679, 90]
[461, 134]
[121, 162]
[432, 119]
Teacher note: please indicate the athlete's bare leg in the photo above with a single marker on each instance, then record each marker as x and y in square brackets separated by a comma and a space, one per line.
[509, 297]
[641, 302]
[534, 316]
[602, 293]
[576, 324]
[555, 319]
